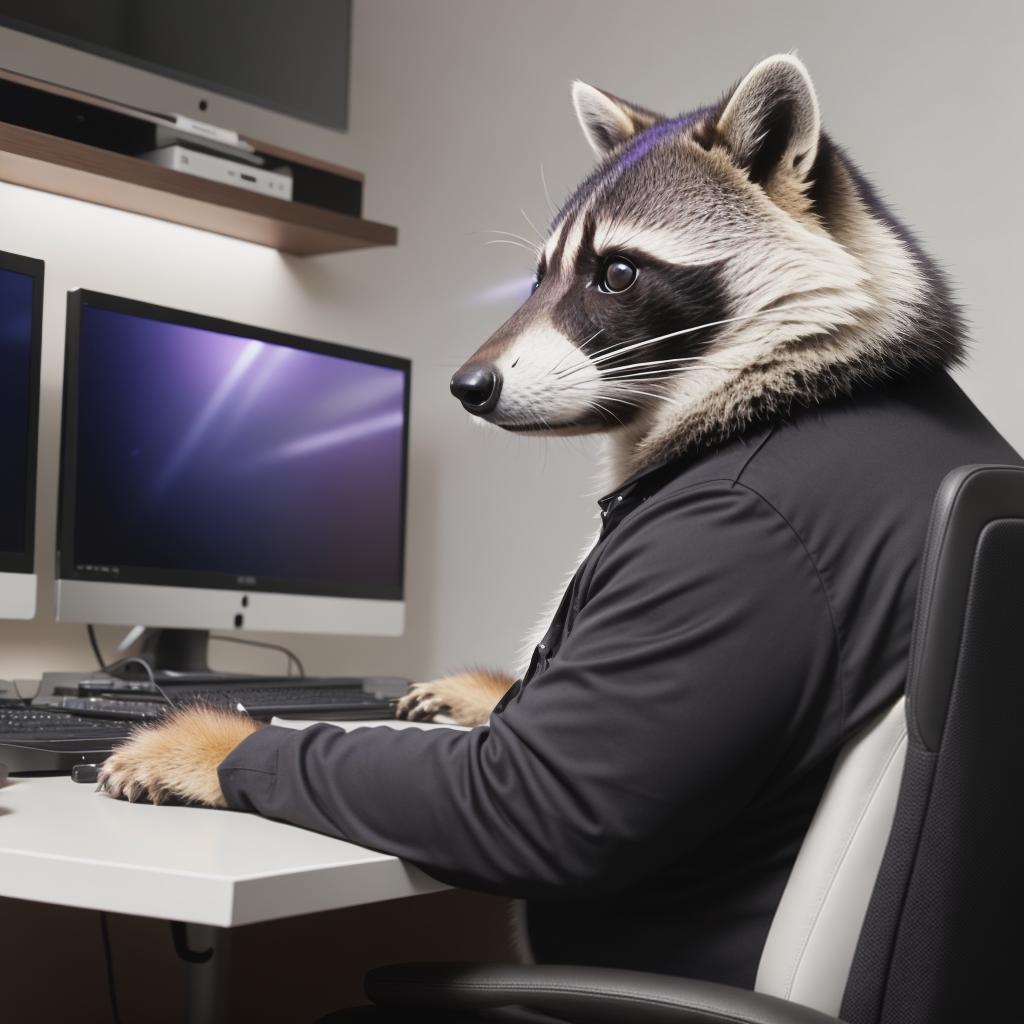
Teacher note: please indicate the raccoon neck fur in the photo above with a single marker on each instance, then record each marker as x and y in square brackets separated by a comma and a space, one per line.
[861, 305]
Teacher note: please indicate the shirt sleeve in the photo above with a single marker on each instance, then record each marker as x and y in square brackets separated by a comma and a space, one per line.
[700, 661]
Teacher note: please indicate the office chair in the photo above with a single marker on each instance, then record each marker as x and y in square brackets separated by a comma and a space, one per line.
[906, 902]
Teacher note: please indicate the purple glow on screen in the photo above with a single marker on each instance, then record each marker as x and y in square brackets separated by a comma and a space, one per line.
[16, 294]
[203, 452]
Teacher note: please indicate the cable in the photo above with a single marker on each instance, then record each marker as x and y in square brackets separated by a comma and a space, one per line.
[149, 674]
[289, 654]
[108, 956]
[113, 666]
[94, 643]
[121, 662]
[286, 651]
[15, 692]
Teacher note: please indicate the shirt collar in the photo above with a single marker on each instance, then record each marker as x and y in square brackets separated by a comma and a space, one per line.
[643, 483]
[636, 489]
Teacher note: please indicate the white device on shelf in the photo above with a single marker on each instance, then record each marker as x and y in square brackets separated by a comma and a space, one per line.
[212, 132]
[276, 183]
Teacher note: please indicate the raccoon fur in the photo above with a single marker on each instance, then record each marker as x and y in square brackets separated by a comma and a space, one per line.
[715, 270]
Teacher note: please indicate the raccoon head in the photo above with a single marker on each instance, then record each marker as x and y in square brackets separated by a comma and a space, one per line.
[714, 268]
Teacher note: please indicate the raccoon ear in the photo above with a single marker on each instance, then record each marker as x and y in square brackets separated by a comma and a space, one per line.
[771, 123]
[606, 120]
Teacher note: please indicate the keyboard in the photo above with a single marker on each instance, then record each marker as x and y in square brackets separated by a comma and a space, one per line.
[108, 708]
[297, 699]
[59, 732]
[312, 697]
[21, 721]
[42, 740]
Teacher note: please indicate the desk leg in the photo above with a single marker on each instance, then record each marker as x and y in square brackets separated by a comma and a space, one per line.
[206, 977]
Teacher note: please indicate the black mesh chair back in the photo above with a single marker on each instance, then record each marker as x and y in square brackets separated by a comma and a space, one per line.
[942, 939]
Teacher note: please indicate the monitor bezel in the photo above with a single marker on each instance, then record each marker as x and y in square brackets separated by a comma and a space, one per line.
[24, 561]
[198, 86]
[88, 73]
[192, 579]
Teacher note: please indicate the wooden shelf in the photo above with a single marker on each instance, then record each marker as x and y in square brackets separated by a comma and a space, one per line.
[68, 168]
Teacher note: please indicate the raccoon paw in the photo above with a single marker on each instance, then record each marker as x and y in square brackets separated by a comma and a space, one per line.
[468, 697]
[176, 758]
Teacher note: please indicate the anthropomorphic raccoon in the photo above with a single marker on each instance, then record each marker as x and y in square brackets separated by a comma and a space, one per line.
[765, 348]
[716, 269]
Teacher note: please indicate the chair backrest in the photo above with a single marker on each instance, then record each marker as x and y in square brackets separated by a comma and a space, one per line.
[941, 941]
[813, 937]
[904, 904]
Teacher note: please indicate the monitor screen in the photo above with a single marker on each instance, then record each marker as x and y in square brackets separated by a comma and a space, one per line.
[290, 57]
[20, 301]
[203, 453]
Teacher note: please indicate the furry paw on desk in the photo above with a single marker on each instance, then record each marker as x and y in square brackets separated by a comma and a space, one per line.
[468, 698]
[177, 758]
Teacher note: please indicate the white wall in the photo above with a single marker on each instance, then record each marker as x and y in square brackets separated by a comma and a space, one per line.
[456, 104]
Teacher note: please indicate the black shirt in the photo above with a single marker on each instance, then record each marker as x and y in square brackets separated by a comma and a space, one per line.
[647, 785]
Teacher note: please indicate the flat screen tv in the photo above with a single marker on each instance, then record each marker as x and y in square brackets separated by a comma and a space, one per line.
[271, 69]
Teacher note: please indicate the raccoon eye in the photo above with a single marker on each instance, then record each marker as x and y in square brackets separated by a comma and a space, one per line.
[618, 275]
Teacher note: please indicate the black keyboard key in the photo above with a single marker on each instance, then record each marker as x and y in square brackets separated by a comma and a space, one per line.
[26, 723]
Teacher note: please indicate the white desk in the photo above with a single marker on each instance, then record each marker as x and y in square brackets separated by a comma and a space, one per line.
[61, 842]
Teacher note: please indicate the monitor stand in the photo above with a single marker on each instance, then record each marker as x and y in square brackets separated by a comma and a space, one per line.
[177, 652]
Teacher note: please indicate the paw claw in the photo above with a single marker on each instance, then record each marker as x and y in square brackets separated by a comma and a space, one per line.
[420, 704]
[177, 758]
[407, 705]
[469, 698]
[426, 709]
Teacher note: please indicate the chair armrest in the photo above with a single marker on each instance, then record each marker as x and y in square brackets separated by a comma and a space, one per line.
[583, 995]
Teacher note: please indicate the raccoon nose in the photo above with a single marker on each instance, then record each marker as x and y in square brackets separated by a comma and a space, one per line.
[477, 386]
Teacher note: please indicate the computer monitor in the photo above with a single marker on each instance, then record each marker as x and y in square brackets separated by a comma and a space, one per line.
[21, 316]
[273, 72]
[217, 476]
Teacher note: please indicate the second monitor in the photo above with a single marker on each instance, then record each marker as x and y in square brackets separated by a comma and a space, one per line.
[221, 476]
[21, 306]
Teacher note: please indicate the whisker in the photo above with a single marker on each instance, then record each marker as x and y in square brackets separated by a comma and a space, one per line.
[532, 225]
[600, 406]
[772, 315]
[605, 356]
[660, 362]
[615, 372]
[616, 387]
[576, 351]
[631, 366]
[643, 394]
[641, 369]
[617, 381]
[547, 194]
[511, 234]
[509, 241]
[645, 376]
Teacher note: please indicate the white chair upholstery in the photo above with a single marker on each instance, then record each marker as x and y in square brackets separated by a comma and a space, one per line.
[814, 933]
